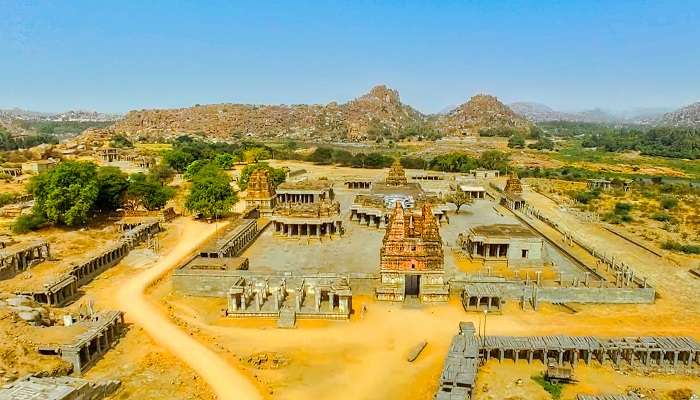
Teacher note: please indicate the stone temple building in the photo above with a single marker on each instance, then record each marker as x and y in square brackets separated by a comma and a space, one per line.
[512, 193]
[374, 208]
[306, 209]
[510, 243]
[411, 258]
[261, 192]
[397, 175]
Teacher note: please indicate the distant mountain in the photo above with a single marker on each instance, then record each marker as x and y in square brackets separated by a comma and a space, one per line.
[481, 111]
[379, 111]
[686, 116]
[536, 112]
[72, 115]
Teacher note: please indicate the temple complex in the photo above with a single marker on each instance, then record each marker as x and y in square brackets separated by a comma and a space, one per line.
[261, 192]
[374, 208]
[411, 258]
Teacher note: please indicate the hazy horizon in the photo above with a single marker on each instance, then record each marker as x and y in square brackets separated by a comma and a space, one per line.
[572, 56]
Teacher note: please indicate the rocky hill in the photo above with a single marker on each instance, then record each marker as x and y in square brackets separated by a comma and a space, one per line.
[686, 116]
[380, 107]
[481, 111]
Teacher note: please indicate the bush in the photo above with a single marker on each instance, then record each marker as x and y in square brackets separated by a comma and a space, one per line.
[554, 389]
[29, 222]
[669, 202]
[685, 248]
[622, 208]
[6, 198]
[586, 197]
[661, 217]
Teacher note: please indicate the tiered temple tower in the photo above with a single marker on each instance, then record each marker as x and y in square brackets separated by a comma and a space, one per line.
[411, 258]
[261, 192]
[513, 185]
[397, 175]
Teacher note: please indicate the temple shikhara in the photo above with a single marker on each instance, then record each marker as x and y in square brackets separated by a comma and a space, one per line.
[512, 193]
[261, 192]
[397, 175]
[411, 258]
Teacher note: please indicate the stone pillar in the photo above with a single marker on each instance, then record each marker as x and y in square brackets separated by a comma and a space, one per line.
[318, 299]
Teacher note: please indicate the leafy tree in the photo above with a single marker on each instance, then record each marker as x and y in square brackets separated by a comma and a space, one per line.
[121, 141]
[413, 162]
[161, 173]
[277, 175]
[256, 154]
[669, 202]
[322, 155]
[194, 168]
[453, 162]
[516, 141]
[67, 193]
[544, 143]
[494, 159]
[148, 192]
[178, 160]
[225, 160]
[458, 198]
[112, 185]
[211, 194]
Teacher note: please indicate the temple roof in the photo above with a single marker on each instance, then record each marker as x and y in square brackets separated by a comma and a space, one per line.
[396, 175]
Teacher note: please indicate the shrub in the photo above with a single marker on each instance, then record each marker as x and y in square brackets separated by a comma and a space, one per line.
[661, 217]
[676, 246]
[622, 208]
[554, 389]
[29, 222]
[6, 198]
[669, 202]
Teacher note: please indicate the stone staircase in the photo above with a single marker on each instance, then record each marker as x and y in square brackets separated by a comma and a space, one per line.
[287, 319]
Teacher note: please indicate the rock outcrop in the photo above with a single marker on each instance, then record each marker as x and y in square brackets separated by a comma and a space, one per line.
[381, 107]
[481, 111]
[687, 116]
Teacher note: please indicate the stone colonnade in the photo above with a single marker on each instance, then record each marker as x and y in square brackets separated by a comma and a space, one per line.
[17, 258]
[95, 342]
[310, 229]
[358, 184]
[298, 197]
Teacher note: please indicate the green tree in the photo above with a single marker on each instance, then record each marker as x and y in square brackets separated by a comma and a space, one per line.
[178, 160]
[66, 194]
[147, 192]
[161, 173]
[494, 159]
[211, 194]
[112, 183]
[256, 154]
[277, 175]
[225, 160]
[458, 198]
[121, 141]
[516, 141]
[194, 168]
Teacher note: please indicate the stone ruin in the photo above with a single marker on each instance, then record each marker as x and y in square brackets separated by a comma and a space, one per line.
[411, 258]
[288, 297]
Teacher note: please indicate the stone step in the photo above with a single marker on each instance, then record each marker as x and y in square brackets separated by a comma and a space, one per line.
[287, 319]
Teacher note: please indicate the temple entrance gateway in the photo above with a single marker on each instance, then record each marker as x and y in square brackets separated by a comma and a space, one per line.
[412, 285]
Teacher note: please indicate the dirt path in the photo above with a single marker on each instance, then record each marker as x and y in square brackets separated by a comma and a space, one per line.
[226, 381]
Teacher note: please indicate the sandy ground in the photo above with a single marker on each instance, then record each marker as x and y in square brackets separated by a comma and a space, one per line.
[225, 381]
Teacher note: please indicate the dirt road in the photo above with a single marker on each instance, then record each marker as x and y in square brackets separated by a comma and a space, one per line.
[225, 380]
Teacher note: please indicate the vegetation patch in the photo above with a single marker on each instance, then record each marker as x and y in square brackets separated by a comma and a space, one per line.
[554, 389]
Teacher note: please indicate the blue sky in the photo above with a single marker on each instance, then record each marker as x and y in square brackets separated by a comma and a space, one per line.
[117, 56]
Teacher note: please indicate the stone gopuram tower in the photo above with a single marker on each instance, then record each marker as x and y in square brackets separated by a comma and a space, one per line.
[261, 192]
[513, 185]
[396, 176]
[411, 258]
